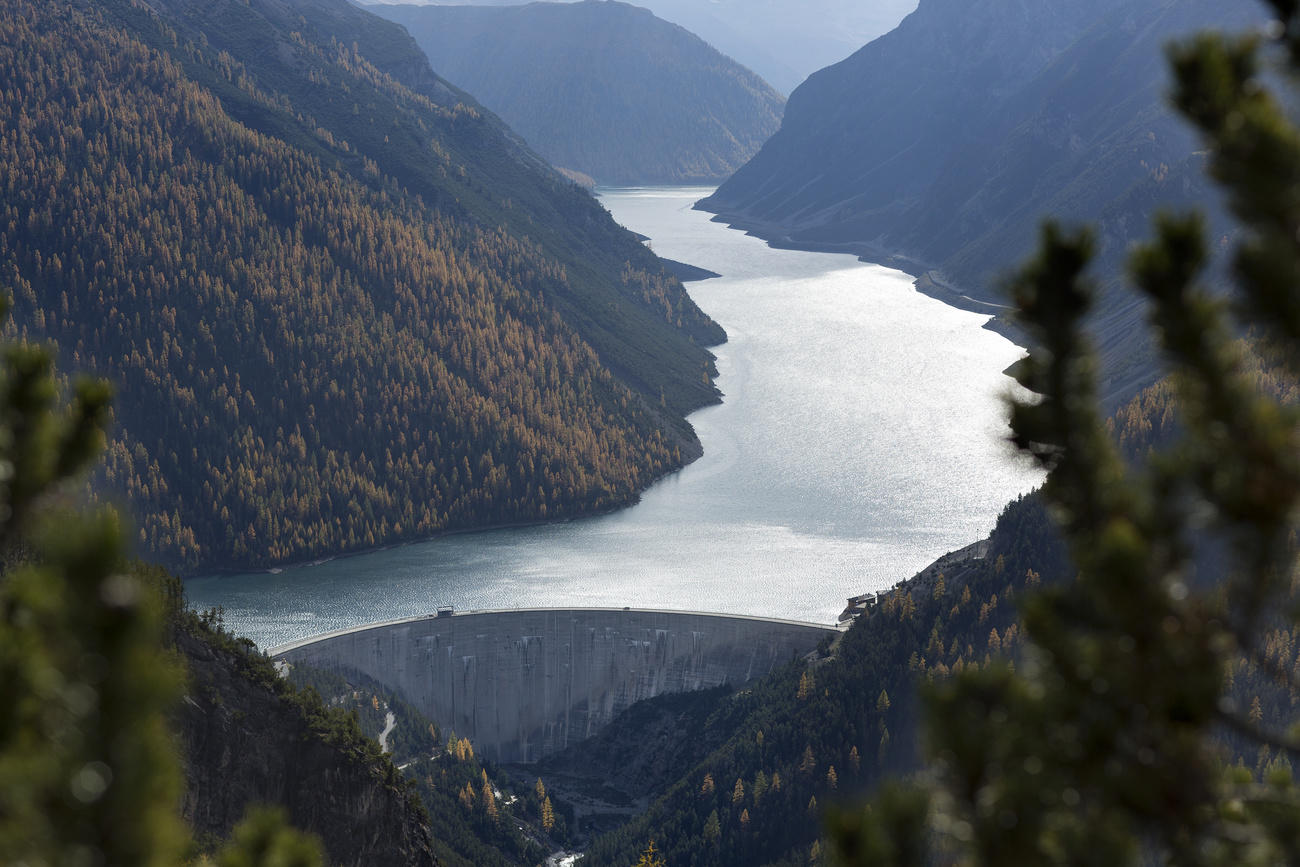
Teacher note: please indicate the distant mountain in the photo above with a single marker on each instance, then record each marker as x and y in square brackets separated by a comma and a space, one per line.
[782, 41]
[342, 305]
[602, 88]
[942, 144]
[785, 41]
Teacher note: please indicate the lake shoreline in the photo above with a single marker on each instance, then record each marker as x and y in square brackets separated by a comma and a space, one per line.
[298, 565]
[928, 280]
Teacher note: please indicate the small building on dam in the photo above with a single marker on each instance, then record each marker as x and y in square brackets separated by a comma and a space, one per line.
[522, 684]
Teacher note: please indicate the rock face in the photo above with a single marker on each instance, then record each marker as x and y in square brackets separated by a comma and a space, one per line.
[602, 88]
[523, 684]
[244, 745]
[943, 143]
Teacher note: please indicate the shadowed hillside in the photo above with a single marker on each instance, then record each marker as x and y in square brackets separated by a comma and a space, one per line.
[603, 88]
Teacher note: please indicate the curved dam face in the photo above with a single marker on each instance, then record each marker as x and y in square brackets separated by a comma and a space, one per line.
[525, 683]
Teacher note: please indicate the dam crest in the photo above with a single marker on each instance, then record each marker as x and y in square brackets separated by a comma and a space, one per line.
[524, 683]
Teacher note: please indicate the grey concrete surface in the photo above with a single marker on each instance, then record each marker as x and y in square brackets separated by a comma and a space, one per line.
[521, 684]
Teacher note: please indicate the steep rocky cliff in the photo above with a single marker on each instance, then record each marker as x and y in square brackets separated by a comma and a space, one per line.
[245, 742]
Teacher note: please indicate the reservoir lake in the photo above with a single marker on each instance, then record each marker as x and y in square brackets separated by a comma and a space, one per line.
[861, 435]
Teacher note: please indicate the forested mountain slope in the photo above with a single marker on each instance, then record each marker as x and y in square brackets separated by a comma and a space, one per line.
[942, 144]
[602, 88]
[342, 305]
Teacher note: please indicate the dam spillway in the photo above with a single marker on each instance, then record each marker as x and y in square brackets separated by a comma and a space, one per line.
[522, 684]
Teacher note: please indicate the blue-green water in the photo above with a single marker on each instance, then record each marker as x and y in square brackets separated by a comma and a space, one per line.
[860, 437]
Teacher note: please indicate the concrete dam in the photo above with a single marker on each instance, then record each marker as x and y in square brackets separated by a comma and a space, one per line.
[522, 684]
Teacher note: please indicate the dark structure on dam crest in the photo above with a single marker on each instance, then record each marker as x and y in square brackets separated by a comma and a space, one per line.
[525, 683]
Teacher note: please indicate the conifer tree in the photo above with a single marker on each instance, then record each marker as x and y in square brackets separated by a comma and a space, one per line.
[1102, 746]
[88, 772]
[468, 795]
[489, 797]
[650, 857]
[548, 814]
[263, 839]
[760, 786]
[712, 827]
[808, 762]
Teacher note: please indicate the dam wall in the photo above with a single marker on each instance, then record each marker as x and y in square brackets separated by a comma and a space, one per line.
[522, 684]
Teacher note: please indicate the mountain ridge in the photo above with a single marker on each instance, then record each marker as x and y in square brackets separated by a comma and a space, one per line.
[782, 42]
[605, 89]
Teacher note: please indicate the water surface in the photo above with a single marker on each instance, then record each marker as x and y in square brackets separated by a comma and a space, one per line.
[862, 435]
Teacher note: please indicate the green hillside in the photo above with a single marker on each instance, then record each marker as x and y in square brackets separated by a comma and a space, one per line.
[342, 305]
[603, 88]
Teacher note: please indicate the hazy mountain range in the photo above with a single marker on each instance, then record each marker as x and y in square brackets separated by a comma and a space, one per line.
[602, 88]
[783, 42]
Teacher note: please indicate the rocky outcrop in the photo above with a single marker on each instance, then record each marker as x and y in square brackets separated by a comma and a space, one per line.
[244, 743]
